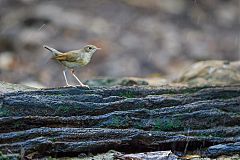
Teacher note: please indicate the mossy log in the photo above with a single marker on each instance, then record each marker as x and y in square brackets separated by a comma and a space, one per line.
[70, 121]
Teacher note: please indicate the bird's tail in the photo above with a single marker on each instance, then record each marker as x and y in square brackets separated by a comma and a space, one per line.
[52, 50]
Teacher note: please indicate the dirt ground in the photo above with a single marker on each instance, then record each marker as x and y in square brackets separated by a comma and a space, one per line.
[138, 38]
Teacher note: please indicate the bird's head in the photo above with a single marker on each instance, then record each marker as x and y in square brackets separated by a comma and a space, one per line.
[91, 49]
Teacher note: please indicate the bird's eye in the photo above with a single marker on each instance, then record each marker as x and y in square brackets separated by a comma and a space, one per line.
[90, 48]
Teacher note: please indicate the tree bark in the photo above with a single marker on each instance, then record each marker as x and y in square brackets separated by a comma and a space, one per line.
[70, 121]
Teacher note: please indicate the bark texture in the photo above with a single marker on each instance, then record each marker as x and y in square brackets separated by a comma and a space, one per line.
[71, 121]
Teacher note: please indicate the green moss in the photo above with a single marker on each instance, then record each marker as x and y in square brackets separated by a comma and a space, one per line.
[53, 139]
[4, 112]
[192, 89]
[138, 125]
[167, 124]
[115, 122]
[128, 94]
[3, 157]
[9, 156]
[63, 109]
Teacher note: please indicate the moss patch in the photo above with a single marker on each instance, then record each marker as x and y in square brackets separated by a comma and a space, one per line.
[4, 112]
[115, 122]
[128, 94]
[63, 109]
[167, 124]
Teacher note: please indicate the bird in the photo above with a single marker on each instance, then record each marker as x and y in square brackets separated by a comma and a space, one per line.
[73, 59]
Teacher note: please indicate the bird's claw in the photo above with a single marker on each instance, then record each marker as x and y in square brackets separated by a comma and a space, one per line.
[86, 86]
[83, 85]
[68, 85]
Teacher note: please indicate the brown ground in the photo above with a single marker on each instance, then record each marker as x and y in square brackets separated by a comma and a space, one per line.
[139, 38]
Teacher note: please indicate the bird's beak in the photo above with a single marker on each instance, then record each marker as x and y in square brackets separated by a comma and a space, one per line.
[98, 48]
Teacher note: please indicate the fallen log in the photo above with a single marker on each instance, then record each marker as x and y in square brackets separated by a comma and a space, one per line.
[73, 141]
[69, 121]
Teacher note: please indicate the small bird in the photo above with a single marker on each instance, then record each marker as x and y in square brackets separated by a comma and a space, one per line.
[74, 59]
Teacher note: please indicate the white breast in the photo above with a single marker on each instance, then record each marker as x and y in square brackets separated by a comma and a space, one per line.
[71, 64]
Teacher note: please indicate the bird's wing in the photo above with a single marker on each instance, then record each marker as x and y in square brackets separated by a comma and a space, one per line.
[68, 56]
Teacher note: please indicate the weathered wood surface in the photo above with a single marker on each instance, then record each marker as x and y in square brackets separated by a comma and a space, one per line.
[70, 121]
[160, 155]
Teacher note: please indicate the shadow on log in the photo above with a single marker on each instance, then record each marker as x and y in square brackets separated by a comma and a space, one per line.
[70, 121]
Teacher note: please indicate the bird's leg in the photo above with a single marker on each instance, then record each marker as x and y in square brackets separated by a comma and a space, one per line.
[81, 84]
[65, 77]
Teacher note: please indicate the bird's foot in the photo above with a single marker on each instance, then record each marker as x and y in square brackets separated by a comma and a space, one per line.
[83, 85]
[69, 85]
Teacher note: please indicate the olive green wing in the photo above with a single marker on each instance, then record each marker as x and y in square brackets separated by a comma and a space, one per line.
[68, 56]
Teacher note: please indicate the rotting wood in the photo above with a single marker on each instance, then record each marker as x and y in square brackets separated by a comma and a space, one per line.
[70, 121]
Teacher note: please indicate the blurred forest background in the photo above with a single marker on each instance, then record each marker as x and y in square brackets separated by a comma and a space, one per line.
[138, 37]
